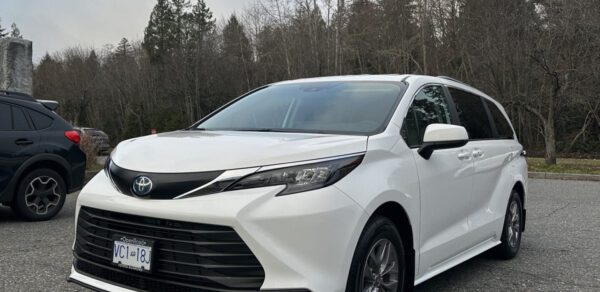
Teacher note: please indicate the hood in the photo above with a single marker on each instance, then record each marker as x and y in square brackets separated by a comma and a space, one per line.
[198, 151]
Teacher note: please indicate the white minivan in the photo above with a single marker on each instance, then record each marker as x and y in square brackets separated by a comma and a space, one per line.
[346, 183]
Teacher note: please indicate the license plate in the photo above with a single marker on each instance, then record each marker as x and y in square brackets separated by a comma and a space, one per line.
[133, 253]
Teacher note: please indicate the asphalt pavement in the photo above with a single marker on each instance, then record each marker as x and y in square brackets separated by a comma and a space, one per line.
[560, 250]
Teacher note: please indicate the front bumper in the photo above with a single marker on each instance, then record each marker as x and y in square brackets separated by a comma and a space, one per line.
[94, 284]
[303, 241]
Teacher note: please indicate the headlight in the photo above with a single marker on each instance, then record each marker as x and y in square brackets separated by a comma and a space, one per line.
[300, 178]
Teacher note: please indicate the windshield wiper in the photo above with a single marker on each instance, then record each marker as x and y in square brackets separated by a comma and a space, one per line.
[260, 130]
[278, 130]
[198, 129]
[265, 130]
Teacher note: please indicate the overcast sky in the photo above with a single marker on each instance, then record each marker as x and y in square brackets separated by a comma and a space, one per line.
[53, 25]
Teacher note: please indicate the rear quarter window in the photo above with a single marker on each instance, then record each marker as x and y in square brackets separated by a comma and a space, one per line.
[20, 122]
[40, 121]
[472, 114]
[502, 125]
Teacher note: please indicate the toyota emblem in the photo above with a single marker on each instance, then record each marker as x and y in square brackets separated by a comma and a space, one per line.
[142, 185]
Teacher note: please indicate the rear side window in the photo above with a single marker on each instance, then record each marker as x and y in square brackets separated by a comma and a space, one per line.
[5, 117]
[472, 114]
[430, 106]
[40, 121]
[502, 125]
[20, 122]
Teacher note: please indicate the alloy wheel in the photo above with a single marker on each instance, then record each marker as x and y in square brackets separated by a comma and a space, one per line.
[42, 194]
[514, 226]
[380, 272]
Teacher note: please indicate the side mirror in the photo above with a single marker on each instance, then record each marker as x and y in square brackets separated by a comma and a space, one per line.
[442, 136]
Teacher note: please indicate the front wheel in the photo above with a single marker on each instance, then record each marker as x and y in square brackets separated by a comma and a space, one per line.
[512, 230]
[40, 195]
[378, 264]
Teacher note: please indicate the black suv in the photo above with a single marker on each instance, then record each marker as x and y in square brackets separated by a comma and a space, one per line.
[40, 159]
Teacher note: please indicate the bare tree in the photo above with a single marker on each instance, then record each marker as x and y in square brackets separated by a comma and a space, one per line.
[539, 58]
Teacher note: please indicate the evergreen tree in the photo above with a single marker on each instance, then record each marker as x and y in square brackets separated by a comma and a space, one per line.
[159, 36]
[270, 55]
[200, 25]
[307, 31]
[123, 48]
[363, 36]
[237, 53]
[201, 22]
[15, 33]
[92, 63]
[236, 44]
[200, 54]
[202, 18]
[398, 25]
[180, 16]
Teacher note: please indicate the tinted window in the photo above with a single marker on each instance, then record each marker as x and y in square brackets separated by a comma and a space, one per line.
[20, 122]
[502, 125]
[430, 106]
[40, 121]
[328, 107]
[472, 114]
[5, 117]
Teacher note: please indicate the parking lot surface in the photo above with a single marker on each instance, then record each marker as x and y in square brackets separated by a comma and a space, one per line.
[560, 250]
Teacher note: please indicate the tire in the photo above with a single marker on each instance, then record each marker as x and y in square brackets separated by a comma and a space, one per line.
[379, 233]
[513, 226]
[40, 195]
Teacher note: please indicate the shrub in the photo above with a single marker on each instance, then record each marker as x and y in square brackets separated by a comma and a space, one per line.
[89, 148]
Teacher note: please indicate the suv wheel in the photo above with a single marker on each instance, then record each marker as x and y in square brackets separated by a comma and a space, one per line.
[40, 195]
[379, 261]
[512, 230]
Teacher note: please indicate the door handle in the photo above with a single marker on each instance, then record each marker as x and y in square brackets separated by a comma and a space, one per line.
[464, 155]
[23, 142]
[478, 153]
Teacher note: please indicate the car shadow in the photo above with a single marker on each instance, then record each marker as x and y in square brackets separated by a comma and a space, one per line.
[470, 271]
[446, 281]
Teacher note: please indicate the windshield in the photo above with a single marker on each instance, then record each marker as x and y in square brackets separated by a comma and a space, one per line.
[362, 108]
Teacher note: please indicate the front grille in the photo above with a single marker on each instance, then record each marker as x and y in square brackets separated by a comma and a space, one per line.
[165, 186]
[186, 256]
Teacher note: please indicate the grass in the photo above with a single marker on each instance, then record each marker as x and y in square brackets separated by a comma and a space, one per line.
[565, 165]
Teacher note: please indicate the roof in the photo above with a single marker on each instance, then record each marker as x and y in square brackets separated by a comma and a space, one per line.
[365, 77]
[394, 78]
[16, 95]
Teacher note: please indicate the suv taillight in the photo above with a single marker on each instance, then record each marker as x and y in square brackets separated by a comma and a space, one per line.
[73, 136]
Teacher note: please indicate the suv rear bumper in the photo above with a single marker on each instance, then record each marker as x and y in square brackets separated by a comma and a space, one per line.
[77, 178]
[76, 160]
